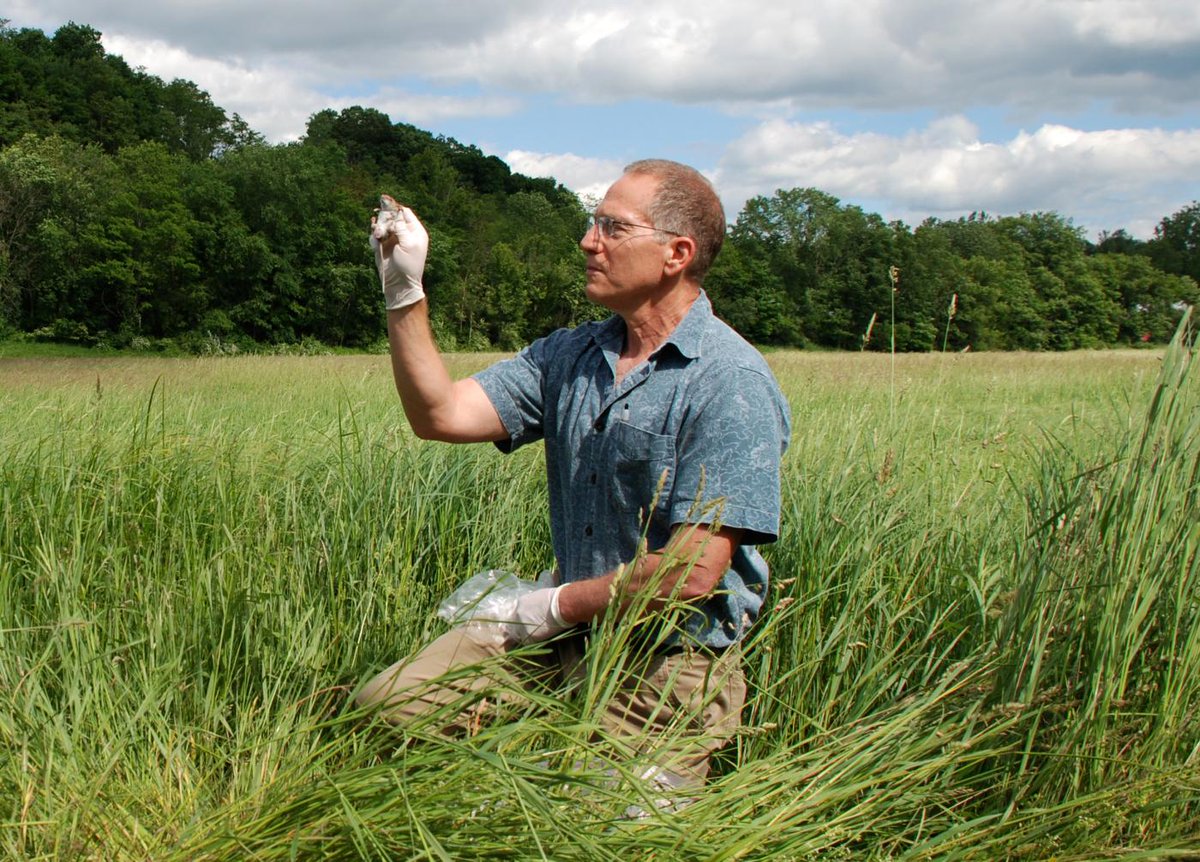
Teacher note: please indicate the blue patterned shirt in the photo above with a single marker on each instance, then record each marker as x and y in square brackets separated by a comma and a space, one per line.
[695, 434]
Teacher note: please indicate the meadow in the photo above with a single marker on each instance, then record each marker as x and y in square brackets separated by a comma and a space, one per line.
[982, 639]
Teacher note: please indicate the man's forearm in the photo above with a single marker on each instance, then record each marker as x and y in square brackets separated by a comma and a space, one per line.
[421, 377]
[437, 407]
[694, 566]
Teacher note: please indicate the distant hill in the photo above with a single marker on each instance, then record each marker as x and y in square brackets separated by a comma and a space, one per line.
[68, 86]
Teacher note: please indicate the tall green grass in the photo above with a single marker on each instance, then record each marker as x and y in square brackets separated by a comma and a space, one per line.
[981, 642]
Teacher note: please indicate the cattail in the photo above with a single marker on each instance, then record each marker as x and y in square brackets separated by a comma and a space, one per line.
[950, 312]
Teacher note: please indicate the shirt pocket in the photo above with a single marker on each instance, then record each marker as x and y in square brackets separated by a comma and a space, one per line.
[640, 460]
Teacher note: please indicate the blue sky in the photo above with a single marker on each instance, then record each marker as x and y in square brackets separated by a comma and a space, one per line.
[908, 108]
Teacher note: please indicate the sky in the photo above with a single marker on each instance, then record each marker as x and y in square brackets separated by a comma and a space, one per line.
[907, 108]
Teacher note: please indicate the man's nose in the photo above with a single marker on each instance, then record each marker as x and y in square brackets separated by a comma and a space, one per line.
[590, 241]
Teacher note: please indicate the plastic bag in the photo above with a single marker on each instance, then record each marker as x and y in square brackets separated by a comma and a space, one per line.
[486, 597]
[484, 602]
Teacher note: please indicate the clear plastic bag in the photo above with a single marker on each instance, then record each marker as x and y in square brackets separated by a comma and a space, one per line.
[488, 597]
[485, 602]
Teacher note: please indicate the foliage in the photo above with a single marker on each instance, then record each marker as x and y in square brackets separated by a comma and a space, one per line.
[1176, 244]
[134, 211]
[1022, 282]
[67, 86]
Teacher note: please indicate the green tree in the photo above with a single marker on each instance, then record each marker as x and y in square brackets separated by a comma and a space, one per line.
[998, 308]
[50, 189]
[366, 135]
[1077, 310]
[137, 274]
[27, 185]
[1175, 247]
[750, 296]
[67, 85]
[310, 272]
[193, 125]
[1119, 242]
[544, 233]
[781, 231]
[932, 274]
[832, 260]
[232, 260]
[93, 95]
[1150, 301]
[853, 263]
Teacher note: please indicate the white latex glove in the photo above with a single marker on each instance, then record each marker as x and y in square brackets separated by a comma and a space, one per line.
[400, 243]
[536, 617]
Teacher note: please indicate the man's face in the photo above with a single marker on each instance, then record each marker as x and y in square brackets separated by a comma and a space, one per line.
[626, 268]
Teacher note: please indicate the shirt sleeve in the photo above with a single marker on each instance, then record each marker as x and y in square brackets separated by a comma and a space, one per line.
[729, 456]
[516, 388]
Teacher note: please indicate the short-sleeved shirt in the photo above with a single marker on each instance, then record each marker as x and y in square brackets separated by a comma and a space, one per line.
[695, 434]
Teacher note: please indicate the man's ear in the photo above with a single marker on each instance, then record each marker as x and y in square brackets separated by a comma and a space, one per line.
[681, 253]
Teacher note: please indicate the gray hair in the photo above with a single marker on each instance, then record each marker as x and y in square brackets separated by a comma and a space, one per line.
[686, 204]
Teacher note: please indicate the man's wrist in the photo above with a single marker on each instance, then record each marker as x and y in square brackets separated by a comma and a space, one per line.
[395, 299]
[555, 611]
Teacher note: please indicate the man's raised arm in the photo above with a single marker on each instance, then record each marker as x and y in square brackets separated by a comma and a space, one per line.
[437, 407]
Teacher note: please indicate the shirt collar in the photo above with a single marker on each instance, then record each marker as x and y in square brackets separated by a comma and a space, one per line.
[689, 334]
[687, 337]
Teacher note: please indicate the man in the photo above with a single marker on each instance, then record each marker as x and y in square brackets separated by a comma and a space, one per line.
[660, 422]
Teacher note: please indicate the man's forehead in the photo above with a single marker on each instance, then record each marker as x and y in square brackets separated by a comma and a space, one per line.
[630, 195]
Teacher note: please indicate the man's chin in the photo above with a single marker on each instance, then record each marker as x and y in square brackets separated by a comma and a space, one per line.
[594, 292]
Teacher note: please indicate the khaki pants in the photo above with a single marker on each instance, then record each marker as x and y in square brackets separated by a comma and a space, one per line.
[678, 707]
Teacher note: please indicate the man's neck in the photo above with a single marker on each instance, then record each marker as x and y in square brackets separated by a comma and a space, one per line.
[652, 324]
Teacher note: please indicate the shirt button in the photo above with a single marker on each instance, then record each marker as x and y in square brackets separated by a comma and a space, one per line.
[587, 531]
[593, 479]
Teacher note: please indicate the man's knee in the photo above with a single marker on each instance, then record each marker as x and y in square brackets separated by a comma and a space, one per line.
[444, 681]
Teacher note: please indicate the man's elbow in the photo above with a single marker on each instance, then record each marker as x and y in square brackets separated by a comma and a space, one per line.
[423, 430]
[429, 424]
[434, 432]
[430, 428]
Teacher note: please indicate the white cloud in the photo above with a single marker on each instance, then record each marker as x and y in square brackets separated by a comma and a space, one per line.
[946, 54]
[588, 178]
[418, 108]
[872, 54]
[1123, 23]
[277, 100]
[272, 99]
[945, 170]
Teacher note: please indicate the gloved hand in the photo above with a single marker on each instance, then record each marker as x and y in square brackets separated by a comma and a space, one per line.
[400, 243]
[536, 617]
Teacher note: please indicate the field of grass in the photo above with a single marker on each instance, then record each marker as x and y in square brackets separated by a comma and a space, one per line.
[983, 638]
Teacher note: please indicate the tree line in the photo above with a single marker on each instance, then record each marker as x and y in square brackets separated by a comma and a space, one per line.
[807, 269]
[137, 212]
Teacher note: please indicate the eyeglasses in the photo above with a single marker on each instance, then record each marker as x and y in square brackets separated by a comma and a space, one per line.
[608, 226]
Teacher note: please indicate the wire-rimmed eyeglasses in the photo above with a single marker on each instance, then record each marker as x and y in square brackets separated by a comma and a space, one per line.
[608, 226]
